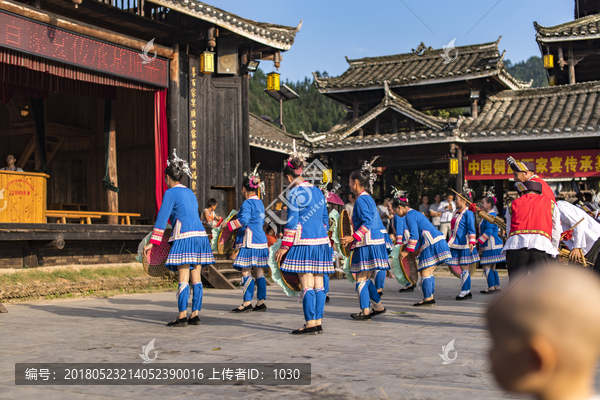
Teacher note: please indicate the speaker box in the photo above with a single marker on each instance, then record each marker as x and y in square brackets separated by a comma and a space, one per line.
[227, 56]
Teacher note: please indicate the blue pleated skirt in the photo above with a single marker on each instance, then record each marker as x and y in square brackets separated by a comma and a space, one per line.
[316, 259]
[437, 253]
[247, 258]
[389, 246]
[492, 257]
[369, 258]
[463, 256]
[193, 251]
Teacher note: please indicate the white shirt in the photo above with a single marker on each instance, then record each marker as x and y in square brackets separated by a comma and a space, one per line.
[383, 212]
[585, 234]
[350, 208]
[16, 169]
[435, 220]
[446, 214]
[534, 241]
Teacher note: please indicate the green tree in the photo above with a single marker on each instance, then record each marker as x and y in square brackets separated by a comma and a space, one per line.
[525, 71]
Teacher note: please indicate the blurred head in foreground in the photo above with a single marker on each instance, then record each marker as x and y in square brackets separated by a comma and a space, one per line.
[546, 333]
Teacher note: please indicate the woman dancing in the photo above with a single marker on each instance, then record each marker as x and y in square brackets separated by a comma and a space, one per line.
[305, 244]
[425, 242]
[190, 247]
[491, 244]
[370, 252]
[402, 236]
[462, 244]
[252, 244]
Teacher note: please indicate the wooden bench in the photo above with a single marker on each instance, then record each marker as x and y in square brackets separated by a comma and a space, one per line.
[63, 216]
[124, 217]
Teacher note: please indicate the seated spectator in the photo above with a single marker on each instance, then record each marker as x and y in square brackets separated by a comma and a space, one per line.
[271, 239]
[10, 164]
[209, 218]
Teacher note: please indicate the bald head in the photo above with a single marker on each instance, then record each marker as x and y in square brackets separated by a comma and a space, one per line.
[546, 325]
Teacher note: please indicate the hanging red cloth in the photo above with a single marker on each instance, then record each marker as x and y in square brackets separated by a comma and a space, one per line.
[161, 145]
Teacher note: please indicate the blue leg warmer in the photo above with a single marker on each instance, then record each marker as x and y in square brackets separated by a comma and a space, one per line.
[465, 280]
[326, 283]
[491, 278]
[197, 299]
[375, 298]
[261, 288]
[496, 278]
[380, 279]
[248, 286]
[309, 303]
[428, 286]
[183, 295]
[363, 293]
[320, 302]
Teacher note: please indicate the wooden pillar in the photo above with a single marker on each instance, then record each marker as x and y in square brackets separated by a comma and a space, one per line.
[245, 151]
[334, 172]
[499, 190]
[561, 58]
[389, 180]
[377, 126]
[571, 65]
[394, 123]
[474, 108]
[412, 124]
[113, 197]
[173, 101]
[459, 177]
[355, 110]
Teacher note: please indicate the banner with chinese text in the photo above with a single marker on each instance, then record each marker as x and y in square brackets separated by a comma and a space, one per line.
[550, 164]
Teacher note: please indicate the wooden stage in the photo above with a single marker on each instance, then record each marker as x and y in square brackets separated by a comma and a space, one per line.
[43, 232]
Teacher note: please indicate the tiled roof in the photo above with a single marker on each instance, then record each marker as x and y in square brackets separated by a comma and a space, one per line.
[582, 28]
[278, 36]
[544, 113]
[267, 136]
[478, 60]
[555, 112]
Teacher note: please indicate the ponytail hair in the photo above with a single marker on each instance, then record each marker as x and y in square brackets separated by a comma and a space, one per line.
[293, 167]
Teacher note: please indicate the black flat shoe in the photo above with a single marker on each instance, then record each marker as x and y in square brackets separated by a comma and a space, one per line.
[374, 312]
[247, 308]
[380, 293]
[327, 299]
[179, 323]
[427, 303]
[407, 289]
[467, 296]
[487, 291]
[361, 317]
[194, 321]
[261, 308]
[319, 329]
[306, 331]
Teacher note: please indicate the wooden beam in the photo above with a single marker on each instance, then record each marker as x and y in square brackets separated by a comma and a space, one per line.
[571, 64]
[53, 152]
[113, 197]
[27, 153]
[18, 131]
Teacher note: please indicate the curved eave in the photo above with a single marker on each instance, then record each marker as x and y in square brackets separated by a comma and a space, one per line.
[567, 38]
[283, 44]
[400, 141]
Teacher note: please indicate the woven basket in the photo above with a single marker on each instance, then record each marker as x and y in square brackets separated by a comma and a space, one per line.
[155, 266]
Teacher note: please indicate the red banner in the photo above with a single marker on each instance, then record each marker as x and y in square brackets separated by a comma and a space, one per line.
[549, 164]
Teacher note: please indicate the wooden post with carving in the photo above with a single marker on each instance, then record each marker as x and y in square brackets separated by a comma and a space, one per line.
[113, 197]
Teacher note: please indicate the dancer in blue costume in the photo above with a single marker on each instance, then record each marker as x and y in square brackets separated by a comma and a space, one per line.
[426, 243]
[305, 244]
[190, 247]
[251, 241]
[370, 253]
[491, 244]
[381, 274]
[462, 244]
[402, 236]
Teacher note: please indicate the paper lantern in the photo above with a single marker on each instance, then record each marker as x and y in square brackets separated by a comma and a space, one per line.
[207, 62]
[273, 81]
[548, 61]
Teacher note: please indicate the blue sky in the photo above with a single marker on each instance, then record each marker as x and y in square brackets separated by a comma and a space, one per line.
[333, 29]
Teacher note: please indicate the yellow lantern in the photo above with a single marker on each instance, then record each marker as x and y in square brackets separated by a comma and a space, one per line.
[207, 62]
[454, 166]
[326, 175]
[273, 81]
[548, 61]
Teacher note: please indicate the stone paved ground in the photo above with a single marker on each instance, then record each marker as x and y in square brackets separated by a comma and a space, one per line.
[393, 356]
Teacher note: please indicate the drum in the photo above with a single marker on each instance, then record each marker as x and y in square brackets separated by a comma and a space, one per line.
[226, 238]
[290, 279]
[345, 229]
[409, 267]
[154, 264]
[456, 271]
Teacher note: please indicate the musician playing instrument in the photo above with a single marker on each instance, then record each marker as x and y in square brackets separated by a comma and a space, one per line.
[524, 171]
[491, 244]
[425, 242]
[370, 252]
[583, 238]
[462, 244]
[253, 248]
[533, 229]
[191, 248]
[306, 244]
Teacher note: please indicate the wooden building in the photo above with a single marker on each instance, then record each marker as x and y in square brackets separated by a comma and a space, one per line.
[97, 94]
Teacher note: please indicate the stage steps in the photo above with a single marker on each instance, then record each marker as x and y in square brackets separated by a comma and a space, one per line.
[222, 275]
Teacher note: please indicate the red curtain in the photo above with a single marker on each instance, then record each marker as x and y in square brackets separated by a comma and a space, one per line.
[161, 145]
